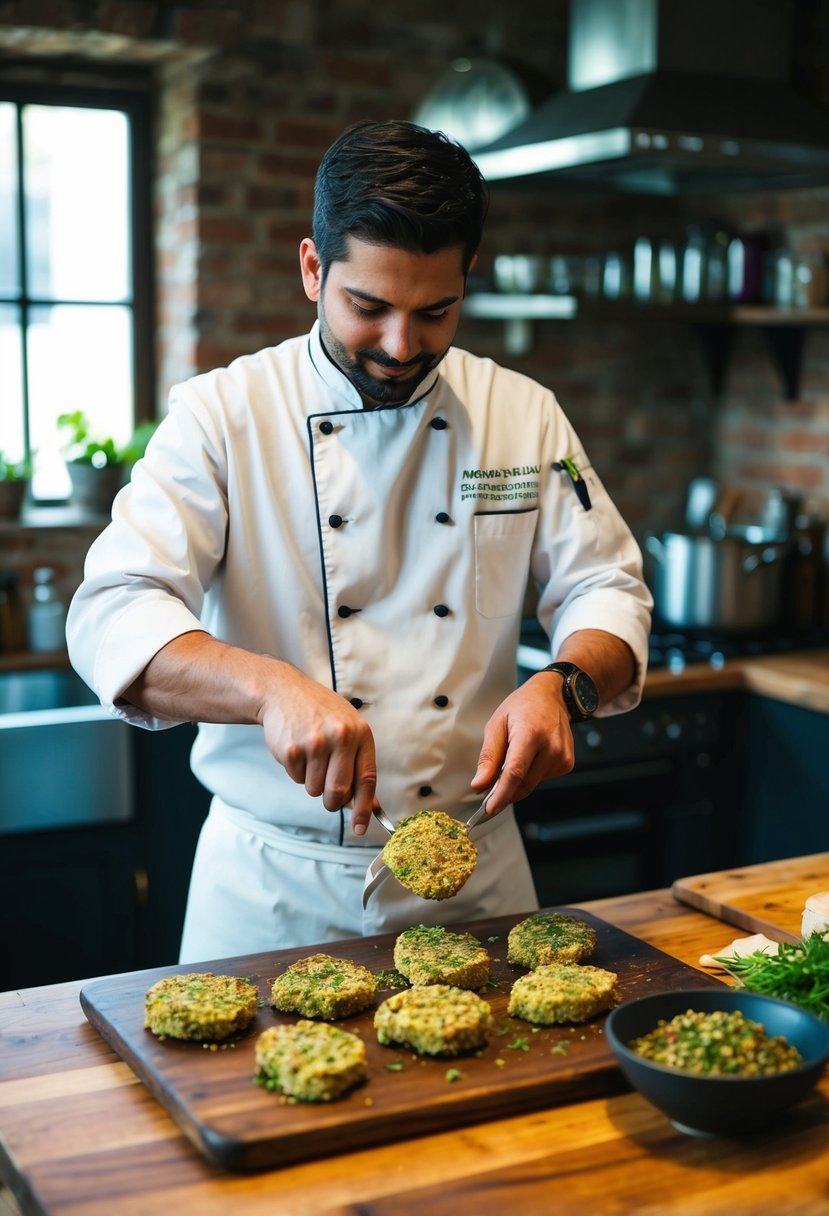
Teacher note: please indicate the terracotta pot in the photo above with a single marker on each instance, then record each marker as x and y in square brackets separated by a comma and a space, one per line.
[94, 489]
[12, 494]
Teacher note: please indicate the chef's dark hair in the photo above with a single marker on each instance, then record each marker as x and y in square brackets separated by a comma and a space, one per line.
[395, 183]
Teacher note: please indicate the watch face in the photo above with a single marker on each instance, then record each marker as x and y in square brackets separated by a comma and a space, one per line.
[585, 693]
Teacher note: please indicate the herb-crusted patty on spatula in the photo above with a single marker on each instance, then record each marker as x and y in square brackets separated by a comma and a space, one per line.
[431, 854]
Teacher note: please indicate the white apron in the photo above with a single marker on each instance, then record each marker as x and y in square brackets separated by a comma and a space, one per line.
[298, 892]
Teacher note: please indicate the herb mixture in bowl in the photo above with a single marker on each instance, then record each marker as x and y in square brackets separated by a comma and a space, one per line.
[717, 1043]
[711, 1074]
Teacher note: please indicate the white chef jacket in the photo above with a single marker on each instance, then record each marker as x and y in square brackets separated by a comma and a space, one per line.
[385, 553]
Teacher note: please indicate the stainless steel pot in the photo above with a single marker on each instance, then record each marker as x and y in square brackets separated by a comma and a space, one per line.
[703, 582]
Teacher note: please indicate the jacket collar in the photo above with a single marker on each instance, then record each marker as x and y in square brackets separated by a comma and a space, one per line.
[341, 387]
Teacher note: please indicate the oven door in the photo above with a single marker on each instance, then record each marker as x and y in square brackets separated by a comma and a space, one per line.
[619, 828]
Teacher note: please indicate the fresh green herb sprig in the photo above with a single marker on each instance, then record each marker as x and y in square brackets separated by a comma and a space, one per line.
[798, 972]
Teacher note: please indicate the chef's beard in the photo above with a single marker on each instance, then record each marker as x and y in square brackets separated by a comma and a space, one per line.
[372, 390]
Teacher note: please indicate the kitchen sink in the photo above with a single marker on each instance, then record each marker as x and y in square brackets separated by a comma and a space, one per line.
[30, 691]
[64, 760]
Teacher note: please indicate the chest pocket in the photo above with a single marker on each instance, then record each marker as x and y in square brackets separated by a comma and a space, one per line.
[503, 543]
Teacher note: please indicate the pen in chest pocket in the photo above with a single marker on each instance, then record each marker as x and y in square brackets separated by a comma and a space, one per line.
[568, 465]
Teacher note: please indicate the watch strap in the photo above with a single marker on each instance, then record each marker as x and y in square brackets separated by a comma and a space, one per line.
[569, 671]
[565, 669]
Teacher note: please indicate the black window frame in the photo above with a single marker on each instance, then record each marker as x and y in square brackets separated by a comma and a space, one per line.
[137, 105]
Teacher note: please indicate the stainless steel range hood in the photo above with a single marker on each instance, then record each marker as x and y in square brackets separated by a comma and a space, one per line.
[669, 97]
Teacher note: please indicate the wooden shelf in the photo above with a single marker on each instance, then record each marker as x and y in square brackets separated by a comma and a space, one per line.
[33, 660]
[783, 329]
[493, 305]
[704, 314]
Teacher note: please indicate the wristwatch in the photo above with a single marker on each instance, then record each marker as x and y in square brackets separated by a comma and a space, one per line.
[581, 696]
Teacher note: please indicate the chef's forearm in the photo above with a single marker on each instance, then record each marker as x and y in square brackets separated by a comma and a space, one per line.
[195, 678]
[603, 656]
[318, 737]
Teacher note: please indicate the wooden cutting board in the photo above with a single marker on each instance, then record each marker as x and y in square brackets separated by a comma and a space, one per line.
[767, 898]
[239, 1125]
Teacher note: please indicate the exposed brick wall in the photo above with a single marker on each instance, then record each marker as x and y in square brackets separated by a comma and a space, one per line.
[250, 94]
[64, 549]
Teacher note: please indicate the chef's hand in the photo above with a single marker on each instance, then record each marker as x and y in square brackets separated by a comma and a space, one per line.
[323, 743]
[528, 739]
[317, 735]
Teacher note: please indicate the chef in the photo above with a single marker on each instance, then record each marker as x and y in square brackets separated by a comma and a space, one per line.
[322, 560]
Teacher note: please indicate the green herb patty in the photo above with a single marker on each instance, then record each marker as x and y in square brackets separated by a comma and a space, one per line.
[562, 992]
[434, 1020]
[324, 987]
[431, 854]
[433, 955]
[550, 937]
[200, 1006]
[311, 1061]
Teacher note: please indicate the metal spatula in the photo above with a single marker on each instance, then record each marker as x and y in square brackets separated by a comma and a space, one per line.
[378, 871]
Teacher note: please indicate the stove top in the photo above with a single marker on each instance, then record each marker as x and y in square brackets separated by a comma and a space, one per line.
[674, 651]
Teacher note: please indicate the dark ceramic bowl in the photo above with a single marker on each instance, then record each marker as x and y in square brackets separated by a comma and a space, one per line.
[718, 1106]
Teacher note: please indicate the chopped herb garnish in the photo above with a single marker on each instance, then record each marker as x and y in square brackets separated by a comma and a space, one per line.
[519, 1044]
[453, 1074]
[391, 979]
[798, 972]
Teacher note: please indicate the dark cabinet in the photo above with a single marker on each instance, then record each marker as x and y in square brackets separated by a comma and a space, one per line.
[785, 781]
[69, 905]
[650, 800]
[96, 900]
[172, 806]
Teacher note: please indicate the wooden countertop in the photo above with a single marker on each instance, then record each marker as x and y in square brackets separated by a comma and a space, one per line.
[798, 677]
[81, 1135]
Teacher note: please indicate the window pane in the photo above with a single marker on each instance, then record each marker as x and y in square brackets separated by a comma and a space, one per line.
[80, 358]
[77, 202]
[11, 384]
[9, 260]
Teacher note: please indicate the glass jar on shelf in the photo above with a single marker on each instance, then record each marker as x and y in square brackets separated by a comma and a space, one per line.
[692, 265]
[615, 276]
[809, 281]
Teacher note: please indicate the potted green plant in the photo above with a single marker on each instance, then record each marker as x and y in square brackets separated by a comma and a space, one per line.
[14, 480]
[97, 466]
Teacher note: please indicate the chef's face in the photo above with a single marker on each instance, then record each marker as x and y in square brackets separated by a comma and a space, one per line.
[387, 315]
